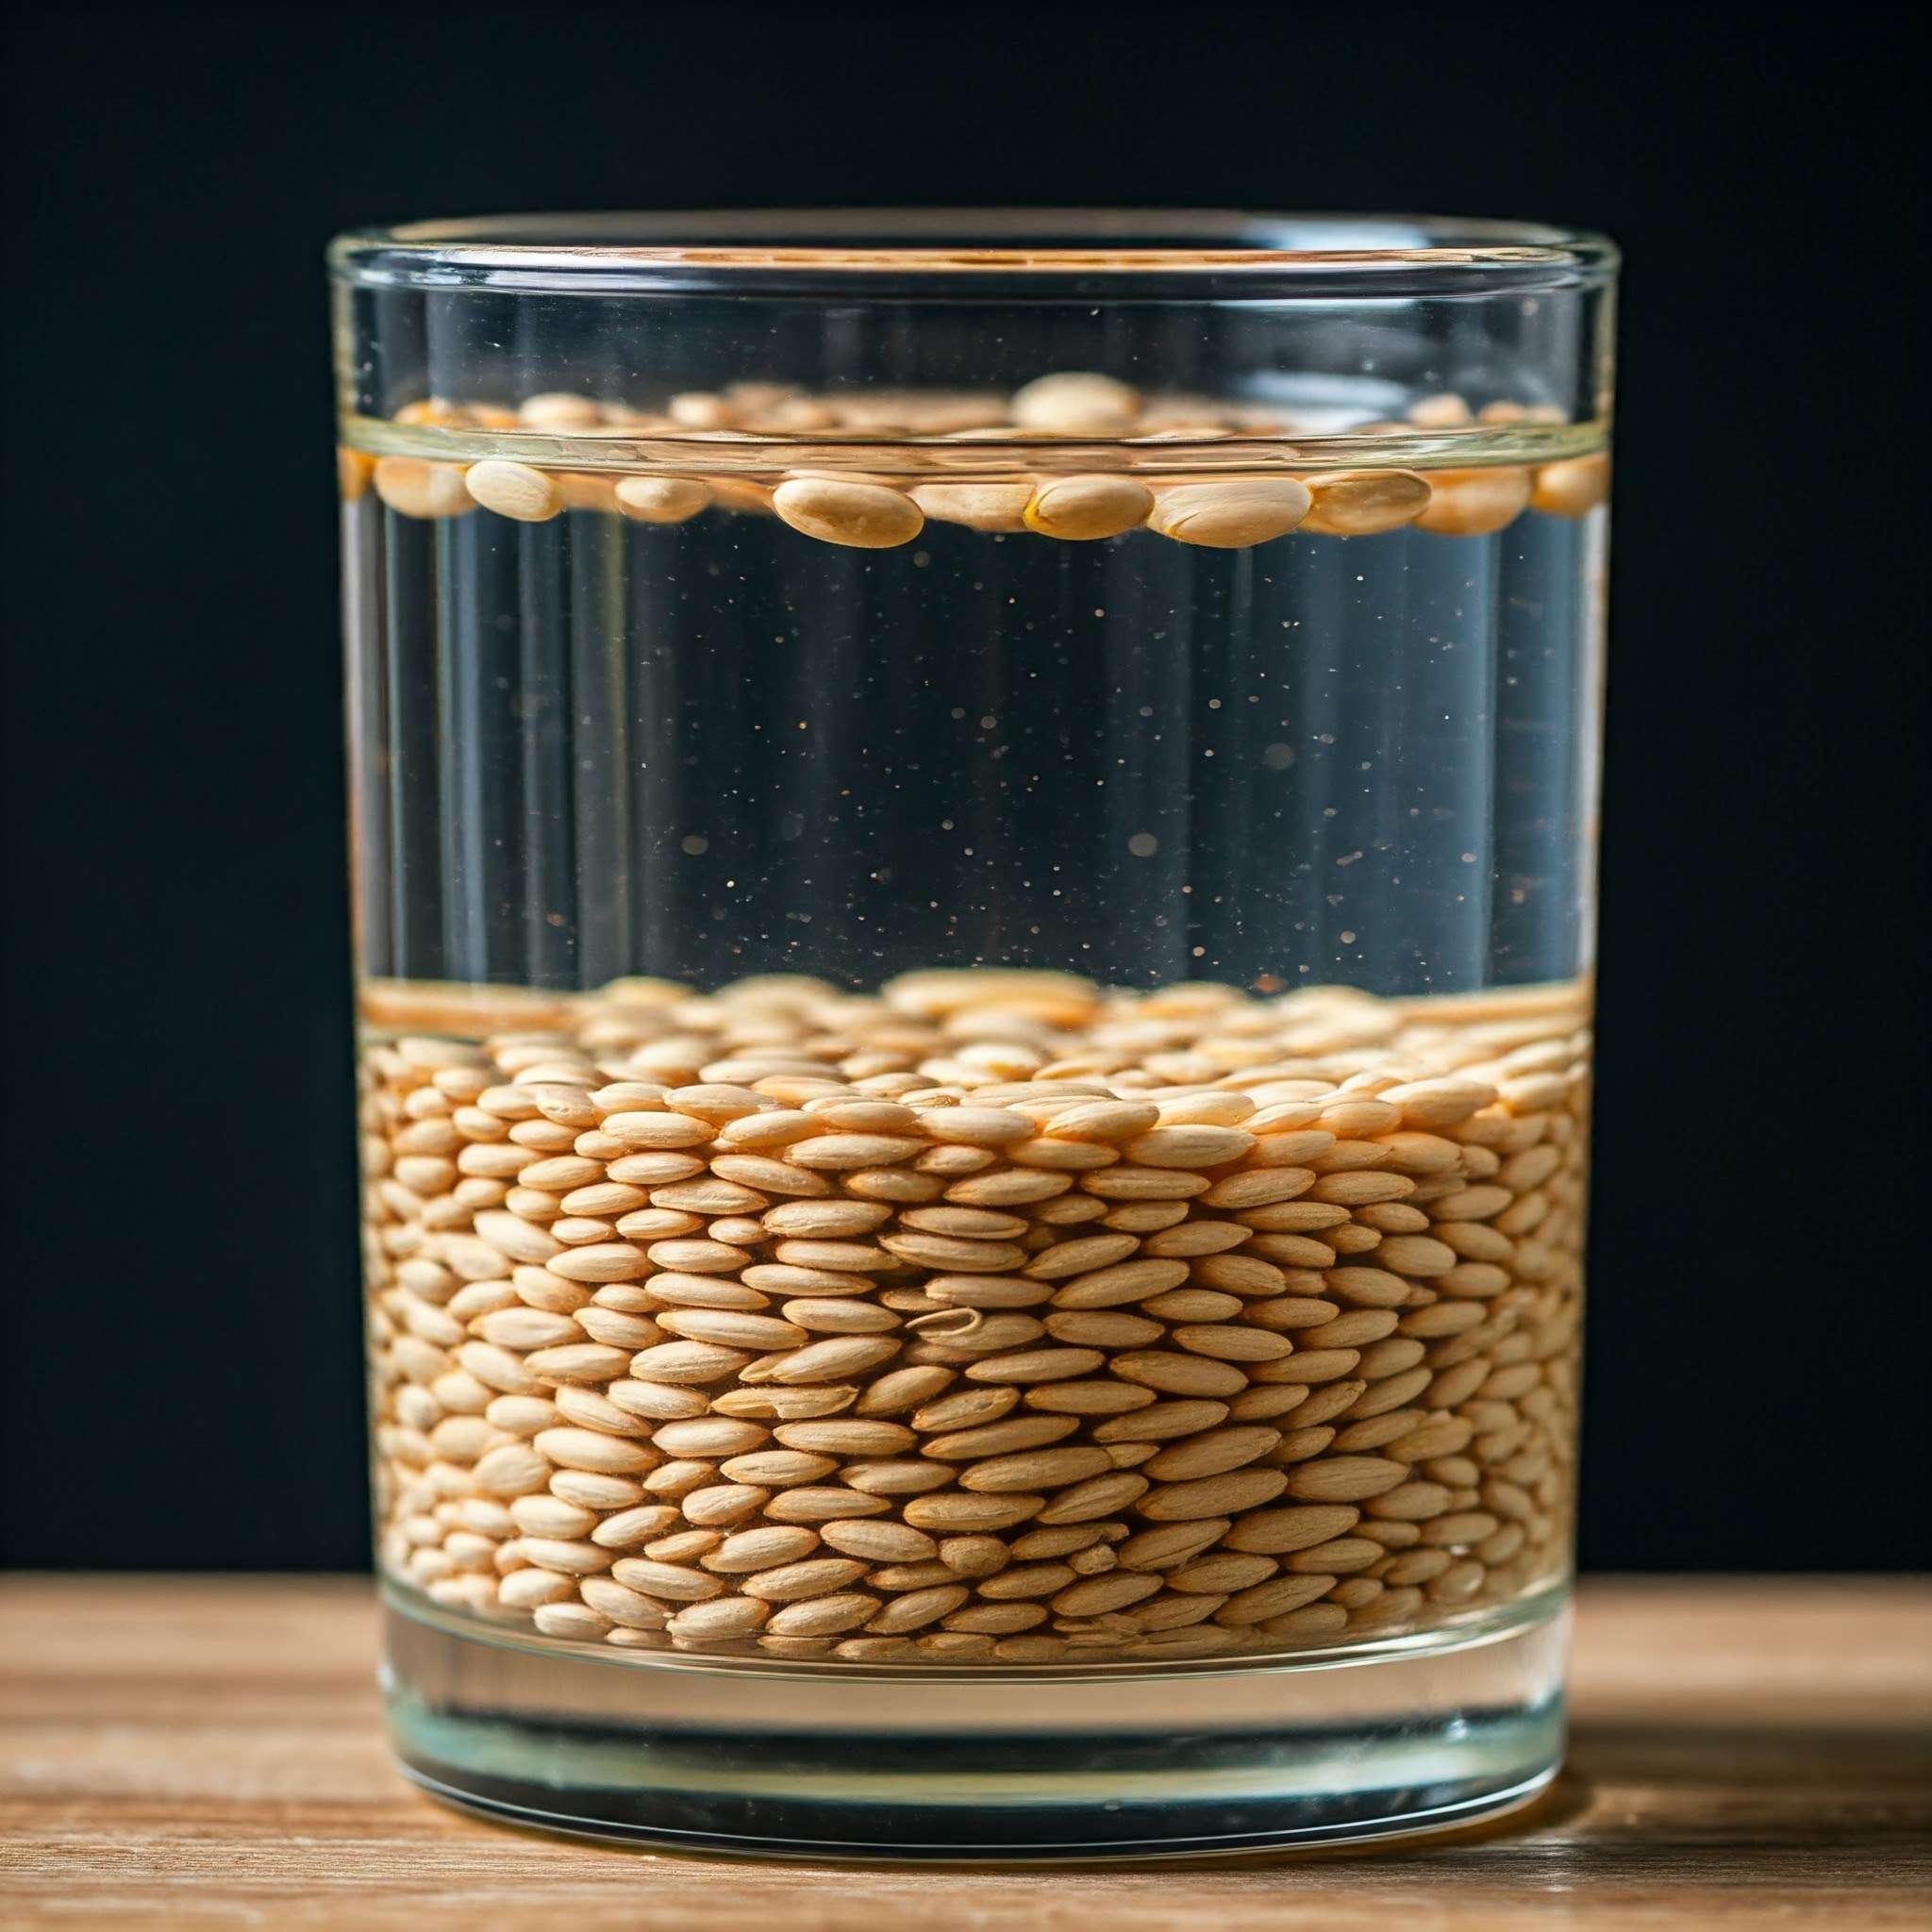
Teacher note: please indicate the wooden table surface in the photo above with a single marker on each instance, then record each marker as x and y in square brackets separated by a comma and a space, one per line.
[189, 1753]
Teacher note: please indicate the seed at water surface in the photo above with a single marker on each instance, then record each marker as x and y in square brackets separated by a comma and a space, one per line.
[862, 515]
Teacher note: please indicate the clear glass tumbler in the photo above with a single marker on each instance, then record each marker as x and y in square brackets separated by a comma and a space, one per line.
[973, 841]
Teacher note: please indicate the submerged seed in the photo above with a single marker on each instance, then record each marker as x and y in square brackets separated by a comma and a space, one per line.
[1302, 1364]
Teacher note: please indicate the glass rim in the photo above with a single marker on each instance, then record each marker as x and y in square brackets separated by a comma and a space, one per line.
[1038, 253]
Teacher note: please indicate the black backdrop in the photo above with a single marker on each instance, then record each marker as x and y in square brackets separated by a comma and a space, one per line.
[181, 1383]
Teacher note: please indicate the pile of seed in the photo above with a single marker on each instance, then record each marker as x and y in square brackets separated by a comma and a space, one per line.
[995, 1317]
[1228, 510]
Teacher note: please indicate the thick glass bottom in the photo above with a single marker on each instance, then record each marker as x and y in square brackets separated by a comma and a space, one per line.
[1374, 1741]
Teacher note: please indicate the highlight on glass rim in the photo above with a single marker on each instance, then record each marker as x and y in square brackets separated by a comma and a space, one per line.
[974, 868]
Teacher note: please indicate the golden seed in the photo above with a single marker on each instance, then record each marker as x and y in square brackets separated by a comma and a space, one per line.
[354, 470]
[1101, 1329]
[1080, 1256]
[1230, 1343]
[1100, 1496]
[1460, 1529]
[1179, 1375]
[1356, 1190]
[953, 1510]
[662, 499]
[978, 506]
[1437, 1103]
[918, 1608]
[1161, 1421]
[559, 410]
[567, 1556]
[1009, 1188]
[693, 1291]
[413, 487]
[1259, 1187]
[902, 1391]
[866, 516]
[1035, 1469]
[1310, 1366]
[1086, 508]
[1233, 514]
[526, 1329]
[1217, 1496]
[1190, 1240]
[1102, 1121]
[996, 1437]
[851, 1152]
[986, 1292]
[978, 1126]
[1295, 1217]
[1125, 1281]
[733, 1328]
[1146, 1217]
[951, 1253]
[1241, 1275]
[1369, 1288]
[1476, 1280]
[513, 490]
[1443, 411]
[1344, 1479]
[1088, 1398]
[1187, 1147]
[1389, 1357]
[1362, 503]
[1029, 1580]
[1572, 488]
[1095, 1595]
[829, 1361]
[1075, 403]
[687, 1361]
[1212, 1452]
[1222, 1575]
[1309, 1624]
[1173, 1543]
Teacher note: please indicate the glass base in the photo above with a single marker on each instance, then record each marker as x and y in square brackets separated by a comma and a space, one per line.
[1411, 1734]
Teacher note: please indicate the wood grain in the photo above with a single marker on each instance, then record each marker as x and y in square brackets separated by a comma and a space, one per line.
[183, 1752]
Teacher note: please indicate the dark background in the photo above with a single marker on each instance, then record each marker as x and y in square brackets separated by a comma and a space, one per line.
[181, 1384]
